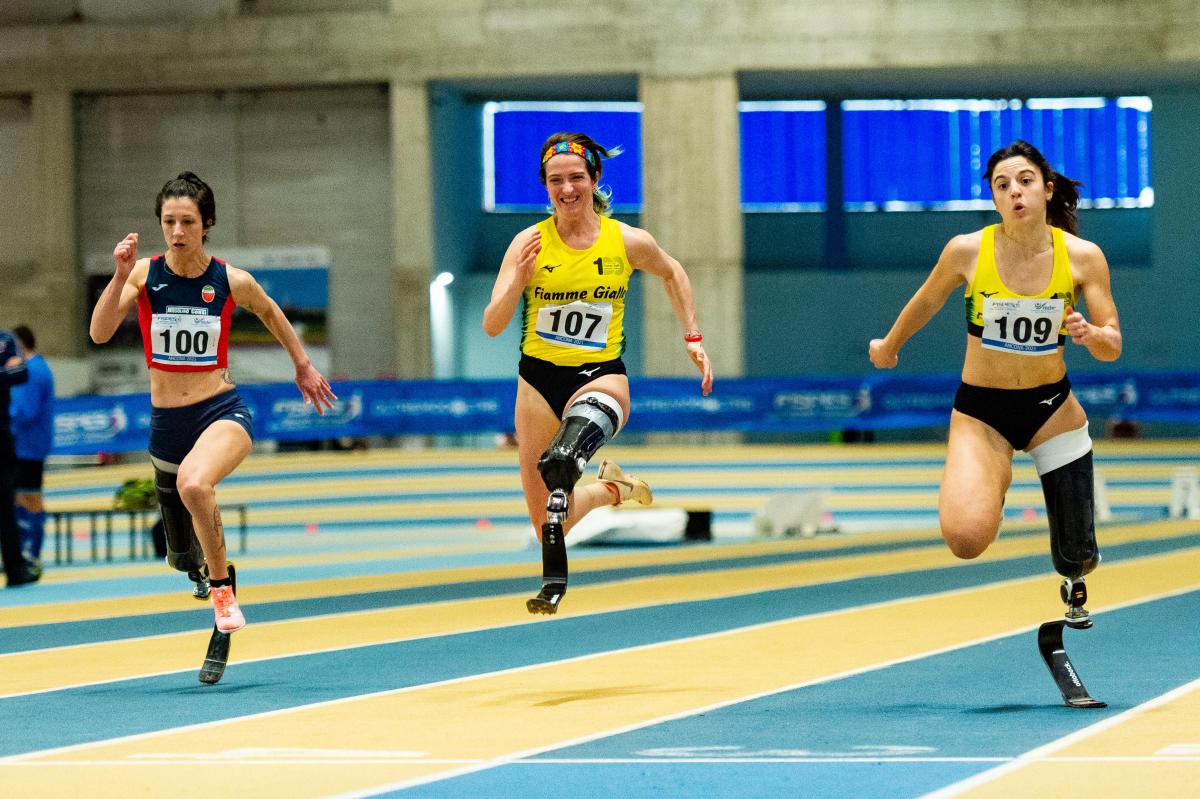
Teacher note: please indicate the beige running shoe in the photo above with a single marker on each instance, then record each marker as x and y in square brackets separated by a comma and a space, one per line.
[225, 607]
[628, 486]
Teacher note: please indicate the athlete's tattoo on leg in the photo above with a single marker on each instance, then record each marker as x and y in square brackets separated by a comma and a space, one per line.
[219, 528]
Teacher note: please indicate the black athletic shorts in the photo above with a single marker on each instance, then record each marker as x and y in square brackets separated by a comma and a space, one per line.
[1015, 413]
[27, 475]
[557, 384]
[174, 431]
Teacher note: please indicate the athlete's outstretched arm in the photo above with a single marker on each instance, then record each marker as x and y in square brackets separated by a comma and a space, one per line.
[645, 254]
[1101, 336]
[515, 271]
[121, 292]
[248, 294]
[946, 275]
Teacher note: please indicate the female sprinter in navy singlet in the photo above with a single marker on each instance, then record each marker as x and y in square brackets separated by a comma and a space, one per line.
[200, 430]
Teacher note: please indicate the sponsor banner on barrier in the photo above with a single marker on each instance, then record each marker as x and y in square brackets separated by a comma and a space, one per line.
[92, 424]
[87, 425]
[897, 401]
[1166, 396]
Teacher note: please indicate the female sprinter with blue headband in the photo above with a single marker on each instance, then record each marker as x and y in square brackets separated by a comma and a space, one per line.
[1024, 277]
[572, 272]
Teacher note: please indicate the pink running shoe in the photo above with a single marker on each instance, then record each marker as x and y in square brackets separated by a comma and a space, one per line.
[225, 606]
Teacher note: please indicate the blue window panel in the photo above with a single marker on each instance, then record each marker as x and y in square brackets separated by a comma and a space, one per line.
[922, 154]
[513, 132]
[783, 155]
[782, 152]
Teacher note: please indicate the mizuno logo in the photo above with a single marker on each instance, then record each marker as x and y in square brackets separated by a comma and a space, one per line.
[1051, 400]
[159, 286]
[987, 293]
[551, 267]
[587, 373]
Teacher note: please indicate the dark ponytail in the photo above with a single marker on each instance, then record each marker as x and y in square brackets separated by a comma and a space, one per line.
[1060, 210]
[187, 184]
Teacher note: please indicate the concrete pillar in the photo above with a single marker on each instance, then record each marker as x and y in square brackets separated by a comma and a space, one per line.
[691, 203]
[1174, 222]
[412, 263]
[57, 279]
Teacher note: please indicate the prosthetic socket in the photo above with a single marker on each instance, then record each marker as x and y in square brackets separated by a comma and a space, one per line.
[587, 425]
[1070, 509]
[183, 549]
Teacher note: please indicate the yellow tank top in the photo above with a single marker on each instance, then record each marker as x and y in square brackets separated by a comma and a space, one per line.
[574, 305]
[1015, 320]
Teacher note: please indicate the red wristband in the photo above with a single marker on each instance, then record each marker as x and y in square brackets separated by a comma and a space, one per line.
[692, 338]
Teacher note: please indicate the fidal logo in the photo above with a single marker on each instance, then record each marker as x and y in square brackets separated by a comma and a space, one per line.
[208, 293]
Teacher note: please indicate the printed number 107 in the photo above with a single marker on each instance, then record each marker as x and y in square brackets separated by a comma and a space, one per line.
[572, 322]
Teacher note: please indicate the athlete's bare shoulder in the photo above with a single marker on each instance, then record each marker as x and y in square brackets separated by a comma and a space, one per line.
[638, 242]
[1081, 249]
[961, 251]
[139, 273]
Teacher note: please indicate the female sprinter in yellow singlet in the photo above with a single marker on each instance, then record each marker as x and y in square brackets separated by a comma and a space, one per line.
[572, 273]
[1024, 277]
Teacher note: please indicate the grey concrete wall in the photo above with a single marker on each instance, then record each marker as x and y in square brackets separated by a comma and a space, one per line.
[117, 52]
[291, 167]
[16, 176]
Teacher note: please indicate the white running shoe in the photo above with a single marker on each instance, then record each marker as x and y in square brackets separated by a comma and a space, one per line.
[628, 486]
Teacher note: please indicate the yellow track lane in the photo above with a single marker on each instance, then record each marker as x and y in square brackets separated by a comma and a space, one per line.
[248, 562]
[60, 667]
[314, 589]
[491, 718]
[56, 668]
[1151, 750]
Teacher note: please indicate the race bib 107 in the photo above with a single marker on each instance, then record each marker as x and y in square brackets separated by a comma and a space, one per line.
[580, 325]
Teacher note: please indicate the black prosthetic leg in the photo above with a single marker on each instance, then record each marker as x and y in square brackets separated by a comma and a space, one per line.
[1070, 510]
[587, 425]
[183, 549]
[554, 557]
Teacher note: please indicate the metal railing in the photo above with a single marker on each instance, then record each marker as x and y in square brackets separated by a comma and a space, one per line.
[100, 526]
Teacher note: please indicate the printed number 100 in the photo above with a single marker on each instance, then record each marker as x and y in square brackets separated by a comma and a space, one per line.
[185, 341]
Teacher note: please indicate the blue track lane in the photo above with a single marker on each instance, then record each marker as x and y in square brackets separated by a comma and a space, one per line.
[159, 703]
[993, 700]
[17, 639]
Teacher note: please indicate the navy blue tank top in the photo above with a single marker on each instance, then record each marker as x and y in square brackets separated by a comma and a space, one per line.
[185, 320]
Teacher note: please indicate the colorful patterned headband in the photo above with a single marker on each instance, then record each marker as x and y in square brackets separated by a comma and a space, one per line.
[568, 147]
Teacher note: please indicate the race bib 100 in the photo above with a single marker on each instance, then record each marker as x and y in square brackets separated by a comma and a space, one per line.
[1021, 325]
[185, 337]
[578, 324]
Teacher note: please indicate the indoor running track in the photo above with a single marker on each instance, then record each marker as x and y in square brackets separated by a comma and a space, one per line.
[871, 665]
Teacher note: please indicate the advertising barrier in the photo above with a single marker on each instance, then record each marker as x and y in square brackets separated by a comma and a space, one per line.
[92, 424]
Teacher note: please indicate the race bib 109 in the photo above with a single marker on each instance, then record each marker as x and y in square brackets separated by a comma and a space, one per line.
[1021, 325]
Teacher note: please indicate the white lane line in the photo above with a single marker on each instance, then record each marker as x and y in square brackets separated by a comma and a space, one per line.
[24, 758]
[183, 760]
[565, 661]
[1042, 753]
